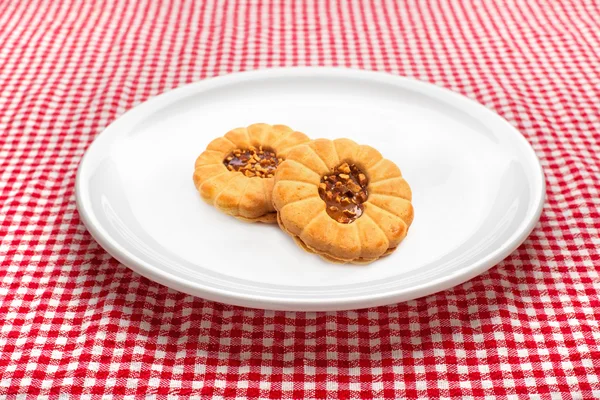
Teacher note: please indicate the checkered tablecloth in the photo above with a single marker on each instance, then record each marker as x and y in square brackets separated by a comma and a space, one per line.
[75, 321]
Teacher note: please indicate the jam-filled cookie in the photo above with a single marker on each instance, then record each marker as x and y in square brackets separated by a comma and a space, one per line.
[236, 171]
[342, 201]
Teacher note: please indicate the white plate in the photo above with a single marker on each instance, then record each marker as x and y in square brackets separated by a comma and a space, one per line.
[478, 188]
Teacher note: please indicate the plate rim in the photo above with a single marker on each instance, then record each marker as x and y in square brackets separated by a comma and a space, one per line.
[343, 302]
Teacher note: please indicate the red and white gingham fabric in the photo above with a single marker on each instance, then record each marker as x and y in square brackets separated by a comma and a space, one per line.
[75, 321]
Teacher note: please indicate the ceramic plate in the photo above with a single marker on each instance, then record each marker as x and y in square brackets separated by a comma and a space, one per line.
[478, 188]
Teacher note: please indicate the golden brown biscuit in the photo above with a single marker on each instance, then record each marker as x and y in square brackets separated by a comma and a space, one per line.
[236, 172]
[342, 201]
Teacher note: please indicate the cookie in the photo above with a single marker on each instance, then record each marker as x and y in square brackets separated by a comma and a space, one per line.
[342, 201]
[235, 173]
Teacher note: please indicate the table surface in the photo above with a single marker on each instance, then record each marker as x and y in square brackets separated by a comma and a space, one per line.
[75, 321]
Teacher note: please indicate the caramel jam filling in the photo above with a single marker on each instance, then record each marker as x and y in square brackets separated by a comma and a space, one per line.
[344, 191]
[253, 162]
